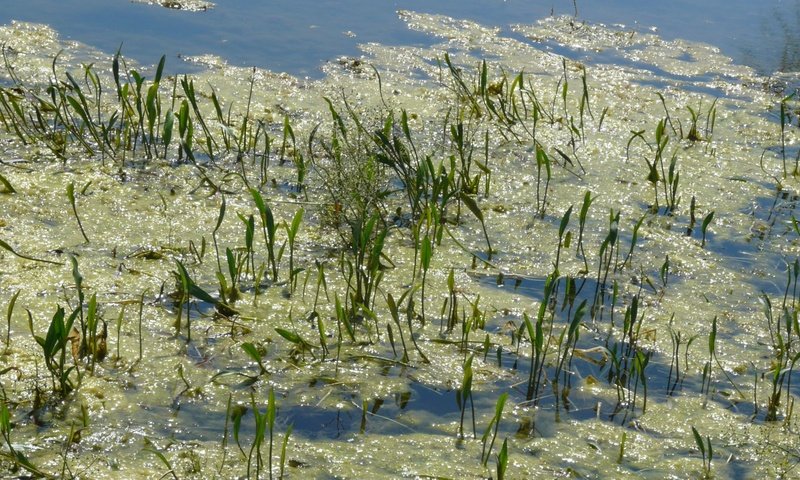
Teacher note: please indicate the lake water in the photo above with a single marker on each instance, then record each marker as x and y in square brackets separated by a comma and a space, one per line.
[297, 36]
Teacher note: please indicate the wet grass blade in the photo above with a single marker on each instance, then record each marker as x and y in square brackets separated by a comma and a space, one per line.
[7, 188]
[9, 312]
[473, 207]
[71, 197]
[498, 413]
[6, 246]
[706, 222]
[150, 448]
[502, 461]
[283, 449]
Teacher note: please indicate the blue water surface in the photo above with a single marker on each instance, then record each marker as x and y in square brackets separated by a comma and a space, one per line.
[298, 36]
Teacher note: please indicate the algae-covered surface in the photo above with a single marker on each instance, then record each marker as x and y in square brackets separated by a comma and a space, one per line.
[567, 253]
[188, 5]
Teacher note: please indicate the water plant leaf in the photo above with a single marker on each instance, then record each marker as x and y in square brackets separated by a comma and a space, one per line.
[472, 205]
[298, 217]
[502, 460]
[7, 188]
[706, 222]
[151, 449]
[6, 246]
[5, 424]
[196, 291]
[291, 336]
[251, 351]
[426, 252]
[237, 413]
[698, 440]
[564, 222]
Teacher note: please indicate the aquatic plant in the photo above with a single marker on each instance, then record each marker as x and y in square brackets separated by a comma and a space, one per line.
[7, 187]
[255, 354]
[694, 134]
[607, 253]
[291, 233]
[71, 197]
[784, 334]
[11, 250]
[494, 422]
[704, 228]
[425, 263]
[151, 448]
[676, 375]
[542, 161]
[54, 349]
[9, 313]
[786, 121]
[502, 460]
[539, 348]
[463, 394]
[15, 456]
[705, 450]
[579, 248]
[668, 178]
[187, 289]
[387, 179]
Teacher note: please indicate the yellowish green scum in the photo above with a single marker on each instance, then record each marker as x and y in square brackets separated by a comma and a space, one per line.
[668, 370]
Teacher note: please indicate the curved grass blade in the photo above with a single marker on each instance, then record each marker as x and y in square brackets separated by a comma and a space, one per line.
[8, 247]
[7, 188]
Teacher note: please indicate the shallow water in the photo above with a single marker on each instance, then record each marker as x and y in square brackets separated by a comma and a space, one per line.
[281, 36]
[366, 411]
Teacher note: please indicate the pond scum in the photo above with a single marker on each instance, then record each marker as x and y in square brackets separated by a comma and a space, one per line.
[568, 253]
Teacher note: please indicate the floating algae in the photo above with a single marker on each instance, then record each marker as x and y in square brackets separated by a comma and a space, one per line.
[187, 5]
[615, 329]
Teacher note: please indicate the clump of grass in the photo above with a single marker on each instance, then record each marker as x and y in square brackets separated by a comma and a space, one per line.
[539, 347]
[676, 376]
[265, 423]
[659, 175]
[706, 451]
[607, 254]
[65, 378]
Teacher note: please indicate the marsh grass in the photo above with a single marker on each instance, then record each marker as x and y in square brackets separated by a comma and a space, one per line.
[9, 313]
[71, 197]
[6, 184]
[706, 451]
[381, 181]
[704, 228]
[463, 394]
[65, 378]
[494, 422]
[151, 448]
[11, 250]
